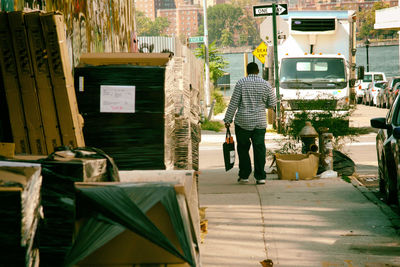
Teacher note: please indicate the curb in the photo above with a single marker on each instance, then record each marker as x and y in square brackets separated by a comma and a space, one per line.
[393, 217]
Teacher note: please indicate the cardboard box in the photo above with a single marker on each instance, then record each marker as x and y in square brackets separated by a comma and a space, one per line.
[127, 247]
[42, 78]
[27, 83]
[62, 80]
[7, 150]
[305, 165]
[11, 86]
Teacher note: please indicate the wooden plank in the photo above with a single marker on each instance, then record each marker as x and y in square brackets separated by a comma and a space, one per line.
[141, 59]
[62, 80]
[43, 83]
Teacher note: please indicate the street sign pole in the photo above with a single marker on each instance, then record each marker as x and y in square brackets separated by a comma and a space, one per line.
[207, 67]
[278, 97]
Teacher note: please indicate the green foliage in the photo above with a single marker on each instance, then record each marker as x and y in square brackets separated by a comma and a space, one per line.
[285, 146]
[217, 63]
[147, 27]
[221, 17]
[338, 125]
[212, 125]
[366, 19]
[346, 178]
[226, 38]
[220, 104]
[227, 20]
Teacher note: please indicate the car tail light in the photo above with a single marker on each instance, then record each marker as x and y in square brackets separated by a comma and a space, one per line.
[359, 86]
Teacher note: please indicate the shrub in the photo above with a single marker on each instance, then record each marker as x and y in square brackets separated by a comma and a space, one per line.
[220, 104]
[212, 125]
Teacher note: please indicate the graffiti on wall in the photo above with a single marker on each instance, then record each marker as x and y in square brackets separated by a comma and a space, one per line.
[91, 25]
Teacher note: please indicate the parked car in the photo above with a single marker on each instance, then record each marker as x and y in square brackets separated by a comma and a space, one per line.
[388, 152]
[370, 97]
[385, 97]
[362, 86]
[393, 94]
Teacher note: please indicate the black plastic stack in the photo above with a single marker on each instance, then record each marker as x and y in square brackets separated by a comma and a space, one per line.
[5, 126]
[11, 252]
[19, 213]
[59, 204]
[134, 140]
[58, 201]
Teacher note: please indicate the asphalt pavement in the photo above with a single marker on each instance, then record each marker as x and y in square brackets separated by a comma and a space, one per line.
[320, 222]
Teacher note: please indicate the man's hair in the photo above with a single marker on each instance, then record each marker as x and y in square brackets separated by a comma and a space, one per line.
[252, 68]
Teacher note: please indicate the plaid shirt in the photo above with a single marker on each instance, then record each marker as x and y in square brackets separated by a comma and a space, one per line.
[251, 96]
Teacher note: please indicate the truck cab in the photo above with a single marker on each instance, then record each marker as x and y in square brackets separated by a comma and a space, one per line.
[316, 62]
[314, 77]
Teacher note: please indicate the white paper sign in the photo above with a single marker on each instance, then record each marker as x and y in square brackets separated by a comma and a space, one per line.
[117, 98]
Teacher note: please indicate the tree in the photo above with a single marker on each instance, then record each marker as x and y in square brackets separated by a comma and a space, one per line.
[222, 17]
[249, 29]
[367, 21]
[217, 63]
[147, 27]
[226, 38]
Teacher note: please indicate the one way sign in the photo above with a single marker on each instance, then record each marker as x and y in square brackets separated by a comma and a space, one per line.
[266, 10]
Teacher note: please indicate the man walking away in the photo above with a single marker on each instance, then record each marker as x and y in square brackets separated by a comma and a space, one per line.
[251, 96]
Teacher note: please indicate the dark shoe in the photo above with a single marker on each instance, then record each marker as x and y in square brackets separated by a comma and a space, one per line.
[243, 180]
[262, 181]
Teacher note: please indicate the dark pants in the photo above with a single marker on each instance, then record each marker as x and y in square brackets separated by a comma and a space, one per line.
[244, 139]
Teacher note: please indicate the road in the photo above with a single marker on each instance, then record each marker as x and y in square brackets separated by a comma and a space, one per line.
[362, 149]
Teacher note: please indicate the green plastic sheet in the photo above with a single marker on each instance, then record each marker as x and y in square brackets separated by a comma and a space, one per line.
[115, 208]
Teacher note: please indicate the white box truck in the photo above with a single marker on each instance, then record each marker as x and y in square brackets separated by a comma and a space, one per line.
[316, 59]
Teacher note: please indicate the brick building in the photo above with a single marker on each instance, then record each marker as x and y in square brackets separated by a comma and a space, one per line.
[184, 16]
[184, 20]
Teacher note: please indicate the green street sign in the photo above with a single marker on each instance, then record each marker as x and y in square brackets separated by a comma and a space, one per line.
[196, 39]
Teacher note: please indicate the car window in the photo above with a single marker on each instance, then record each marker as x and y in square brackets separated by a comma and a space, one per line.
[389, 115]
[394, 116]
[395, 81]
[367, 78]
[380, 85]
[378, 77]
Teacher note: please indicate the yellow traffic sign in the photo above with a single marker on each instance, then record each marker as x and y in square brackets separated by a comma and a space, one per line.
[260, 52]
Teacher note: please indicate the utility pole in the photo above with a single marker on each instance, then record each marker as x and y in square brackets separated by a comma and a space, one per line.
[207, 67]
[278, 97]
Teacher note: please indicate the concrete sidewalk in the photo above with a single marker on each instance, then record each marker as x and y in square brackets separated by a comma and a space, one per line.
[322, 222]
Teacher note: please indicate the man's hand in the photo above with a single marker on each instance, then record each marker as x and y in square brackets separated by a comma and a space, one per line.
[227, 124]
